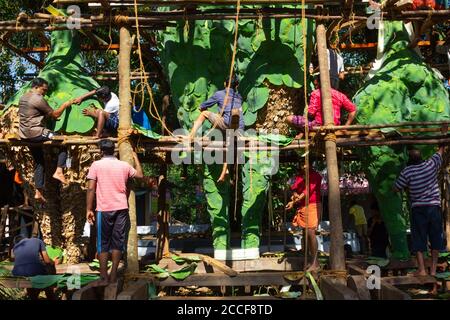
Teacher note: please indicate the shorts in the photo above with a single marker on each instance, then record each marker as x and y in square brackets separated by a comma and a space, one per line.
[300, 121]
[215, 119]
[311, 216]
[426, 224]
[112, 123]
[112, 229]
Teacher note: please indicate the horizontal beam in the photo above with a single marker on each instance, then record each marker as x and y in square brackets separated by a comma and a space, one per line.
[165, 3]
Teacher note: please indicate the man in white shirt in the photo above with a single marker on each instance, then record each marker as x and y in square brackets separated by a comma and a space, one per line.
[336, 65]
[108, 118]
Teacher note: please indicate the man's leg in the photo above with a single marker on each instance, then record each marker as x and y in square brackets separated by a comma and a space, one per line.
[419, 222]
[198, 123]
[102, 117]
[104, 230]
[116, 256]
[312, 243]
[118, 244]
[38, 157]
[436, 235]
[59, 173]
[421, 271]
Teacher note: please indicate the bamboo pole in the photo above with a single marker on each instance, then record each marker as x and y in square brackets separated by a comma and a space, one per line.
[125, 148]
[162, 234]
[337, 259]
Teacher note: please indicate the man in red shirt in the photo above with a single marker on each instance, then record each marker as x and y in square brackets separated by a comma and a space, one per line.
[315, 116]
[307, 217]
[108, 180]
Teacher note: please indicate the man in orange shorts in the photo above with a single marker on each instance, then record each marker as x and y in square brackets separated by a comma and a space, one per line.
[307, 217]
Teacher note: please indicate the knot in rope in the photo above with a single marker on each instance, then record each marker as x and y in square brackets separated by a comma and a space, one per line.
[122, 135]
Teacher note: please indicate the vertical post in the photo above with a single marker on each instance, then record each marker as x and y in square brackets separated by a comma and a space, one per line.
[125, 148]
[162, 242]
[337, 259]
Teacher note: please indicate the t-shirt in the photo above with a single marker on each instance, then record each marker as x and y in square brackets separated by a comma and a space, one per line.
[315, 181]
[111, 176]
[358, 212]
[422, 182]
[32, 110]
[338, 100]
[234, 101]
[27, 260]
[113, 104]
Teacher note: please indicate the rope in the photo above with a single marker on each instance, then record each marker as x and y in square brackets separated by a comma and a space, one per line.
[143, 86]
[233, 59]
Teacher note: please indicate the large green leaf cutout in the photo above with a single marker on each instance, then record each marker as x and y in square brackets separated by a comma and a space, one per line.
[67, 80]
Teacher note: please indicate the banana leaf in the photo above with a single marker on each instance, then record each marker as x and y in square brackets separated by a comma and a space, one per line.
[182, 260]
[184, 272]
[319, 295]
[54, 252]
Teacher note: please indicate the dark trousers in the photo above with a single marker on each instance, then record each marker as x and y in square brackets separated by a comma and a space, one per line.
[38, 156]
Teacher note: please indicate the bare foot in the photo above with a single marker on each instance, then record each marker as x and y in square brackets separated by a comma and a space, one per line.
[60, 176]
[38, 196]
[221, 178]
[419, 273]
[299, 136]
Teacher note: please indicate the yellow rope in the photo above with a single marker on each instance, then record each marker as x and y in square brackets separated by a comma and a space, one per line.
[230, 75]
[143, 86]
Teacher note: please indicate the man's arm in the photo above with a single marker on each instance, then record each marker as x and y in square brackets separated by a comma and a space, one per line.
[84, 96]
[90, 216]
[350, 118]
[46, 258]
[139, 173]
[210, 102]
[55, 114]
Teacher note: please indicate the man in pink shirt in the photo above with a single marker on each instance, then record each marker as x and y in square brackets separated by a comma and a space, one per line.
[315, 116]
[108, 180]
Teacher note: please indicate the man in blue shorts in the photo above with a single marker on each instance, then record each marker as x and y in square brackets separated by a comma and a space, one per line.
[420, 177]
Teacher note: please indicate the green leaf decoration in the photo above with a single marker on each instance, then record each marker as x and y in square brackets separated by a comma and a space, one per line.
[54, 252]
[316, 288]
[184, 272]
[257, 98]
[95, 264]
[404, 88]
[67, 80]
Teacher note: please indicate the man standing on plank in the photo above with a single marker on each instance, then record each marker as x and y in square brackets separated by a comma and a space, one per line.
[108, 180]
[420, 177]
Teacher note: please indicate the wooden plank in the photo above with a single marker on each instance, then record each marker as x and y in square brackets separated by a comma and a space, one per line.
[335, 290]
[213, 279]
[16, 283]
[359, 285]
[261, 264]
[89, 292]
[409, 280]
[389, 292]
[113, 289]
[137, 290]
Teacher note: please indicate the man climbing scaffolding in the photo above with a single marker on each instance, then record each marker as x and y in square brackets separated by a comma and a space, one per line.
[227, 118]
[315, 116]
[33, 108]
[108, 118]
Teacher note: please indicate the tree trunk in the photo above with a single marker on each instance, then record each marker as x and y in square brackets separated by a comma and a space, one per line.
[337, 259]
[125, 148]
